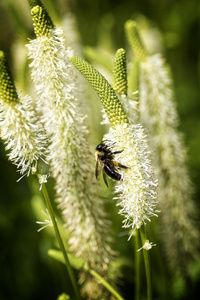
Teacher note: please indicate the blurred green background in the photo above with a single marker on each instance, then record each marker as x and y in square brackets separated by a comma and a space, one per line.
[26, 270]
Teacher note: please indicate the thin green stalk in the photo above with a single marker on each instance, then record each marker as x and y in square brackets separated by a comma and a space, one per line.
[137, 266]
[61, 244]
[147, 265]
[105, 283]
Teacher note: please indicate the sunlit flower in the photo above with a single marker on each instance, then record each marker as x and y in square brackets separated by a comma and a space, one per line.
[136, 194]
[20, 127]
[159, 115]
[71, 162]
[147, 245]
[42, 178]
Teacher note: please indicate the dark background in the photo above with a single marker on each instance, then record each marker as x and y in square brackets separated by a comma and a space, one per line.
[26, 270]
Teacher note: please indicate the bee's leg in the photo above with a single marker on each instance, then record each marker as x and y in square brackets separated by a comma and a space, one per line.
[116, 152]
[120, 165]
[105, 178]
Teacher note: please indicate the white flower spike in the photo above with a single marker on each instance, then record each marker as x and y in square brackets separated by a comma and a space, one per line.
[136, 194]
[20, 126]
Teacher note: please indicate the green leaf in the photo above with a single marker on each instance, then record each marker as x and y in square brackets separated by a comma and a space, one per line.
[75, 262]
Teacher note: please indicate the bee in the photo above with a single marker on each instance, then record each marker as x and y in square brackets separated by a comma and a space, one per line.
[105, 162]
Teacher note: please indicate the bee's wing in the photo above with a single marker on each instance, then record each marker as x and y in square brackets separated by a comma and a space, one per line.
[97, 169]
[105, 178]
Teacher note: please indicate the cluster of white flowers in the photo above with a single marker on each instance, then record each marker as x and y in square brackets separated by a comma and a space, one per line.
[136, 194]
[69, 154]
[23, 134]
[158, 114]
[137, 191]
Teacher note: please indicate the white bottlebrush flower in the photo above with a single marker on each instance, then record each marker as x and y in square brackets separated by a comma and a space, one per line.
[136, 194]
[19, 125]
[158, 114]
[23, 134]
[71, 162]
[159, 117]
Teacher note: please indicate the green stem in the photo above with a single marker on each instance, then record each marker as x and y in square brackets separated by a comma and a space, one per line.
[106, 284]
[61, 244]
[147, 265]
[137, 266]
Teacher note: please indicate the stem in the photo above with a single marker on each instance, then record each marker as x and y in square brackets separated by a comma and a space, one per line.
[61, 244]
[106, 284]
[137, 266]
[147, 265]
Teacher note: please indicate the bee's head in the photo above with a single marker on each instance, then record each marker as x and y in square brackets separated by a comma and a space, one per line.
[101, 147]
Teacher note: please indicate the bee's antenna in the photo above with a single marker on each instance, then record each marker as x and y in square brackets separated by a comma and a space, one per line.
[110, 144]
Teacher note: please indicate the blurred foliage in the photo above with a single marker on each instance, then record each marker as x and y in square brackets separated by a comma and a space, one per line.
[26, 270]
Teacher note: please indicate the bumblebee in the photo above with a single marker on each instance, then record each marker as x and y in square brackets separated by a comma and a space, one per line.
[105, 162]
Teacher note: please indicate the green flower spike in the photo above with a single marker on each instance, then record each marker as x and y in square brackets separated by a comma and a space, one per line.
[8, 91]
[41, 21]
[106, 93]
[120, 73]
[135, 41]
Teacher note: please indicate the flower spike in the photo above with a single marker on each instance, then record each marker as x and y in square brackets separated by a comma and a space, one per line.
[135, 41]
[137, 191]
[158, 114]
[8, 91]
[106, 93]
[71, 164]
[120, 73]
[41, 21]
[20, 127]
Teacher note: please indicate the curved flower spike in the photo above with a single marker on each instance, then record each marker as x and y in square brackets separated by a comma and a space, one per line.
[106, 93]
[19, 125]
[71, 162]
[136, 193]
